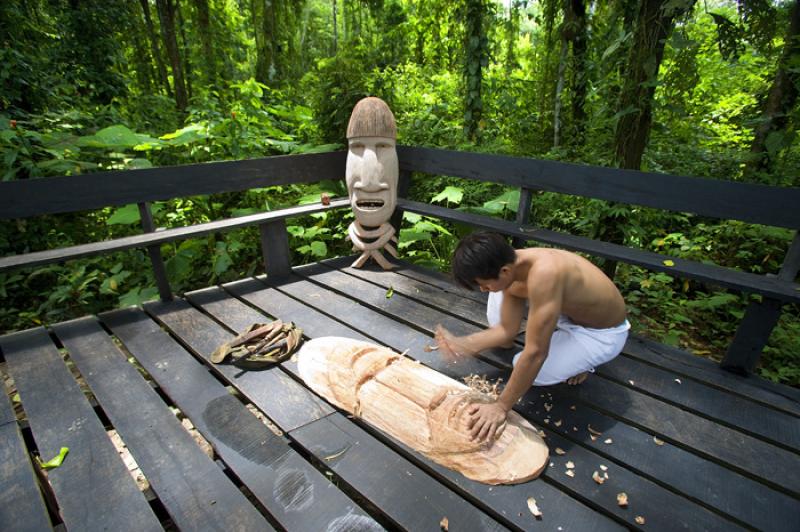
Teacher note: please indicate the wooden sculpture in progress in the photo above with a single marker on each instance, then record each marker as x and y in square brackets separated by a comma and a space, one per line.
[371, 174]
[420, 407]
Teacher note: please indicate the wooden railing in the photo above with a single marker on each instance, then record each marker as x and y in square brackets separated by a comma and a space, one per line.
[772, 206]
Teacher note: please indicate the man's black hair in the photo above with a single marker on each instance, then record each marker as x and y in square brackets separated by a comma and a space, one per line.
[481, 255]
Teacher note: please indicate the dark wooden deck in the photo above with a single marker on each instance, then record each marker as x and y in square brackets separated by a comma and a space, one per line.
[729, 459]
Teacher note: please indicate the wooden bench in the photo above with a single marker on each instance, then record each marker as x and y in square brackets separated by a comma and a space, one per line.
[693, 446]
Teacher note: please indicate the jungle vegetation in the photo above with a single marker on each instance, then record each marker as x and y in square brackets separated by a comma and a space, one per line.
[706, 88]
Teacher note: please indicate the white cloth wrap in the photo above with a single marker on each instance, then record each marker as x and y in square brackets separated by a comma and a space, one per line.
[573, 348]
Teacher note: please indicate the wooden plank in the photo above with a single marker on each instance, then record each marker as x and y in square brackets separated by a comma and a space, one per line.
[646, 489]
[706, 273]
[719, 406]
[159, 237]
[362, 450]
[93, 486]
[275, 248]
[32, 197]
[290, 404]
[735, 411]
[751, 336]
[766, 393]
[740, 410]
[296, 494]
[679, 474]
[760, 204]
[702, 480]
[192, 488]
[406, 493]
[21, 505]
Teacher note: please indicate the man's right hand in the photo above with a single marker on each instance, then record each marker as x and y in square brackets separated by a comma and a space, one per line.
[451, 347]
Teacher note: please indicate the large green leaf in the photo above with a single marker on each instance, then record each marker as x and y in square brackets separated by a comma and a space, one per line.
[450, 194]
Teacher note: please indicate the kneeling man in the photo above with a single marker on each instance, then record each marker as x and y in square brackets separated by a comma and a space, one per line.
[576, 317]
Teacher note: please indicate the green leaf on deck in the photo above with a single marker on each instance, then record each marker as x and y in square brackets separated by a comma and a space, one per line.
[55, 461]
[390, 292]
[669, 263]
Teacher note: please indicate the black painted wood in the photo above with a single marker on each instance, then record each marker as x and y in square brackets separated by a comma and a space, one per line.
[159, 237]
[154, 251]
[706, 273]
[367, 452]
[192, 488]
[761, 204]
[398, 487]
[735, 450]
[290, 404]
[296, 494]
[93, 487]
[681, 471]
[21, 504]
[275, 248]
[687, 367]
[32, 197]
[524, 212]
[721, 407]
[766, 393]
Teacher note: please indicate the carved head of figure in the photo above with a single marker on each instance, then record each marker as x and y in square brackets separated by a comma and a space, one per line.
[372, 167]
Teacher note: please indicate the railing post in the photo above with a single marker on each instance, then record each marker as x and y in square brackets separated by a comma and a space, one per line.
[157, 261]
[759, 320]
[275, 248]
[523, 212]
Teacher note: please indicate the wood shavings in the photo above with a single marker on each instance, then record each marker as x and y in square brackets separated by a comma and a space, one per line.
[678, 381]
[429, 348]
[572, 407]
[548, 407]
[597, 478]
[569, 473]
[593, 437]
[622, 499]
[481, 384]
[534, 508]
[608, 441]
[560, 451]
[547, 421]
[557, 423]
[444, 524]
[639, 520]
[570, 465]
[657, 441]
[631, 383]
[594, 432]
[603, 467]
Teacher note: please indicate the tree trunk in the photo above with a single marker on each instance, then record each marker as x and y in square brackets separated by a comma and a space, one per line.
[579, 72]
[187, 66]
[262, 65]
[475, 59]
[204, 26]
[335, 30]
[166, 14]
[653, 26]
[781, 100]
[562, 68]
[155, 49]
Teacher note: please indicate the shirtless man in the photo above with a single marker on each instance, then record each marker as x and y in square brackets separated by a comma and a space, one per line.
[576, 318]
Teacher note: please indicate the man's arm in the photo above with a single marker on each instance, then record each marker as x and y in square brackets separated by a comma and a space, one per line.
[545, 289]
[499, 335]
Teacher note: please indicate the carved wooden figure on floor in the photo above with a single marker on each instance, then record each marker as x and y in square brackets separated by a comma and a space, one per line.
[421, 408]
[371, 175]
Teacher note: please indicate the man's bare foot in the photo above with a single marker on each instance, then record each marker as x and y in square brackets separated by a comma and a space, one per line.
[577, 379]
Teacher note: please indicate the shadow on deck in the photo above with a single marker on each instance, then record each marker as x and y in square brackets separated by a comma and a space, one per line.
[692, 446]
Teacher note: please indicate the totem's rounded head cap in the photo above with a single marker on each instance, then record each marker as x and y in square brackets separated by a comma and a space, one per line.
[372, 118]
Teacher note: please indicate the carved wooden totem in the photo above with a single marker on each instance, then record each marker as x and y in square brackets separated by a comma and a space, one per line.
[420, 407]
[371, 175]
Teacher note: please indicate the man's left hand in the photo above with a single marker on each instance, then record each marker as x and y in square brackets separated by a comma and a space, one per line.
[486, 420]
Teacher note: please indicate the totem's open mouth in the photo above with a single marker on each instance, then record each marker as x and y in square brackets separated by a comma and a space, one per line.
[369, 205]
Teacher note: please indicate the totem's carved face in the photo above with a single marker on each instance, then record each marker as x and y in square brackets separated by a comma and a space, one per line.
[371, 175]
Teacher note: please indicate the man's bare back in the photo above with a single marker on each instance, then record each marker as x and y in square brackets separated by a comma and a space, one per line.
[589, 298]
